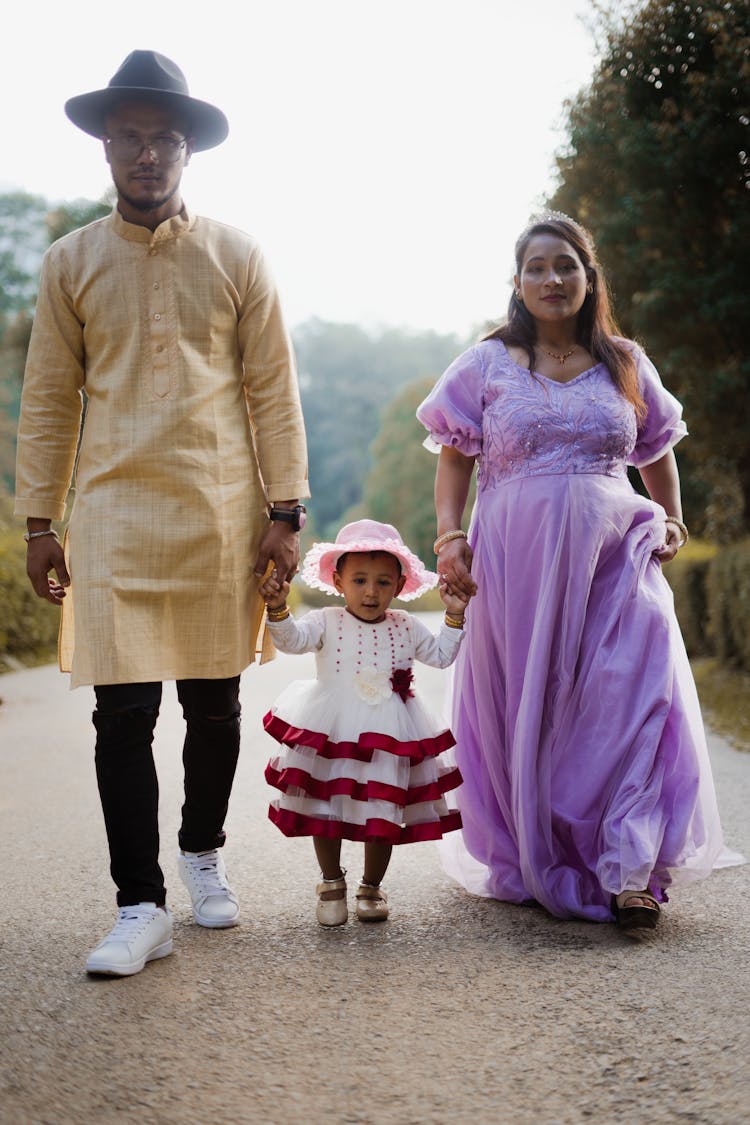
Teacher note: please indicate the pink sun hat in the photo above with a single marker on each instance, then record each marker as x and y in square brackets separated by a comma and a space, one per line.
[364, 536]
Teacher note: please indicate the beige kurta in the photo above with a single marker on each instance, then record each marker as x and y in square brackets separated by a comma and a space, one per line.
[193, 423]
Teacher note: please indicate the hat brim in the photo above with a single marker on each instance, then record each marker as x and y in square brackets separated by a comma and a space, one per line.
[208, 125]
[320, 563]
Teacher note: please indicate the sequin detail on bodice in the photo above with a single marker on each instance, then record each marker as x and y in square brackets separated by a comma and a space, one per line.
[533, 426]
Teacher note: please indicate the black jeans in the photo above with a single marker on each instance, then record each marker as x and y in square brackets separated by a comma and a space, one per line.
[125, 718]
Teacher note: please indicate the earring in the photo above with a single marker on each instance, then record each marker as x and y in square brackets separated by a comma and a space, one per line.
[590, 287]
[517, 295]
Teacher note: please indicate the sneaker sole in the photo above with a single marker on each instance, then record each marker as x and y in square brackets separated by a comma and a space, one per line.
[213, 924]
[112, 970]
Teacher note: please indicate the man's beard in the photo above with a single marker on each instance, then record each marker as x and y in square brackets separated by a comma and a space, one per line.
[148, 204]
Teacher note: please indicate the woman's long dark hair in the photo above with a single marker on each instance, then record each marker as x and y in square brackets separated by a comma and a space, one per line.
[596, 329]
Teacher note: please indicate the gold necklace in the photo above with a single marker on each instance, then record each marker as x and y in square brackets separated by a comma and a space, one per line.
[561, 357]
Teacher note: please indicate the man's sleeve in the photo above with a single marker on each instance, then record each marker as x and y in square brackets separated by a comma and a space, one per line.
[51, 400]
[271, 388]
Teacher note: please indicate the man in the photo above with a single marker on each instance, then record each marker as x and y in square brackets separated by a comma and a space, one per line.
[193, 438]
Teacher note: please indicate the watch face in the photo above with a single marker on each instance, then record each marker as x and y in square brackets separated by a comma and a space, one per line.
[301, 517]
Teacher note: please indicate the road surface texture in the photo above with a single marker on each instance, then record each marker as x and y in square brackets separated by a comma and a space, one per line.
[457, 1009]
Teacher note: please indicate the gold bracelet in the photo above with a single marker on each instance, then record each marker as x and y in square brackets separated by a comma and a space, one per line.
[446, 538]
[454, 622]
[681, 527]
[279, 613]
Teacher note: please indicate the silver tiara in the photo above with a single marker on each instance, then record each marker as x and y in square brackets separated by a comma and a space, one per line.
[547, 216]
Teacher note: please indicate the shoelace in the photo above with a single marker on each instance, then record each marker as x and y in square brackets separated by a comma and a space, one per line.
[204, 871]
[129, 924]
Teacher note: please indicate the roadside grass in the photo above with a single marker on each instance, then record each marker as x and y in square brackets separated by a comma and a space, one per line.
[725, 700]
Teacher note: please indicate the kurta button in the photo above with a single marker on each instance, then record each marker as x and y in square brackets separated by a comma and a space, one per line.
[152, 252]
[160, 347]
[156, 285]
[157, 316]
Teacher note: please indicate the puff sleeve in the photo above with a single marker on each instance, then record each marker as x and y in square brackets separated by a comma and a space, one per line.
[452, 412]
[662, 427]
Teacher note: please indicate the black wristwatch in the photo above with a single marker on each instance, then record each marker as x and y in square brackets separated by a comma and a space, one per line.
[296, 516]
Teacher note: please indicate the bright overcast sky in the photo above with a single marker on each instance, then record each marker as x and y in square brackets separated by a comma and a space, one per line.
[385, 153]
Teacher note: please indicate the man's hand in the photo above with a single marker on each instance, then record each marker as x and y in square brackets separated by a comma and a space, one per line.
[280, 546]
[43, 555]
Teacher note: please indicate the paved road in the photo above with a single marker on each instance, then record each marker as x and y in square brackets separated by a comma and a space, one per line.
[456, 1010]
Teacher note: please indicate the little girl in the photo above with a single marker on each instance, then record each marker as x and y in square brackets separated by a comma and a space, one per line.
[360, 757]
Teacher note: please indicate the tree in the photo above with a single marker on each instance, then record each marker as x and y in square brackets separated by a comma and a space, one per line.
[400, 485]
[23, 239]
[28, 224]
[347, 378]
[657, 166]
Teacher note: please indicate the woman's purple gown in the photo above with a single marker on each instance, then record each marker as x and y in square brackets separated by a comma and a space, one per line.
[579, 734]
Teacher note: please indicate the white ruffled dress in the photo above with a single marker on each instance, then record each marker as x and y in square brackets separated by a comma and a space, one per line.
[361, 758]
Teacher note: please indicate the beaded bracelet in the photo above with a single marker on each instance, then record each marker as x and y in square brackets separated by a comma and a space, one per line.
[681, 527]
[29, 535]
[446, 538]
[280, 613]
[454, 622]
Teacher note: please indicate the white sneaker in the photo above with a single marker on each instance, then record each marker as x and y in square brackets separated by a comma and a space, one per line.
[141, 933]
[204, 874]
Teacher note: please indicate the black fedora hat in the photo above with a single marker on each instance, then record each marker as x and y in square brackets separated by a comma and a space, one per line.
[150, 76]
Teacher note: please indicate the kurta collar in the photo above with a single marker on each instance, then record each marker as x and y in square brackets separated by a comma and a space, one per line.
[170, 228]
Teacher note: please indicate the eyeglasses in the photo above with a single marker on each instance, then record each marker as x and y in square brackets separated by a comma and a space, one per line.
[129, 146]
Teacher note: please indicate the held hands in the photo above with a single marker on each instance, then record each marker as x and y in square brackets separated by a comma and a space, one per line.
[273, 591]
[454, 569]
[455, 604]
[280, 546]
[43, 555]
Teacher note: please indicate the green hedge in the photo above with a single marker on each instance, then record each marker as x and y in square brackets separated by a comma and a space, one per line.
[712, 598]
[687, 575]
[728, 599]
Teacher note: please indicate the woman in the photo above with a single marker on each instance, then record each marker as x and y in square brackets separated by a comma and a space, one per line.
[587, 786]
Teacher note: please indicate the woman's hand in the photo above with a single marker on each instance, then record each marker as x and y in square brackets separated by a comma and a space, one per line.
[662, 482]
[454, 570]
[671, 545]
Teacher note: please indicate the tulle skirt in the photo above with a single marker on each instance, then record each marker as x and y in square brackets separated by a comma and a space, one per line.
[579, 734]
[357, 771]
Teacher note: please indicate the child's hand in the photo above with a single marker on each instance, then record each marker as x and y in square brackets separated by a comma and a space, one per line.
[455, 602]
[272, 591]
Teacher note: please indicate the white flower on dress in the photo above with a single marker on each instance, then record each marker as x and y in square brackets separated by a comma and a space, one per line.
[373, 685]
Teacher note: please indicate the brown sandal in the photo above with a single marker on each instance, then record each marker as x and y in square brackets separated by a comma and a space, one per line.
[636, 917]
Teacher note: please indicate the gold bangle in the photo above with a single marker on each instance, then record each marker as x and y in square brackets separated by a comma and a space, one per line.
[454, 622]
[681, 527]
[446, 538]
[280, 613]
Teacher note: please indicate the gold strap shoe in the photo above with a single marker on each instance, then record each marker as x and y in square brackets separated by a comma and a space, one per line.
[332, 909]
[372, 903]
